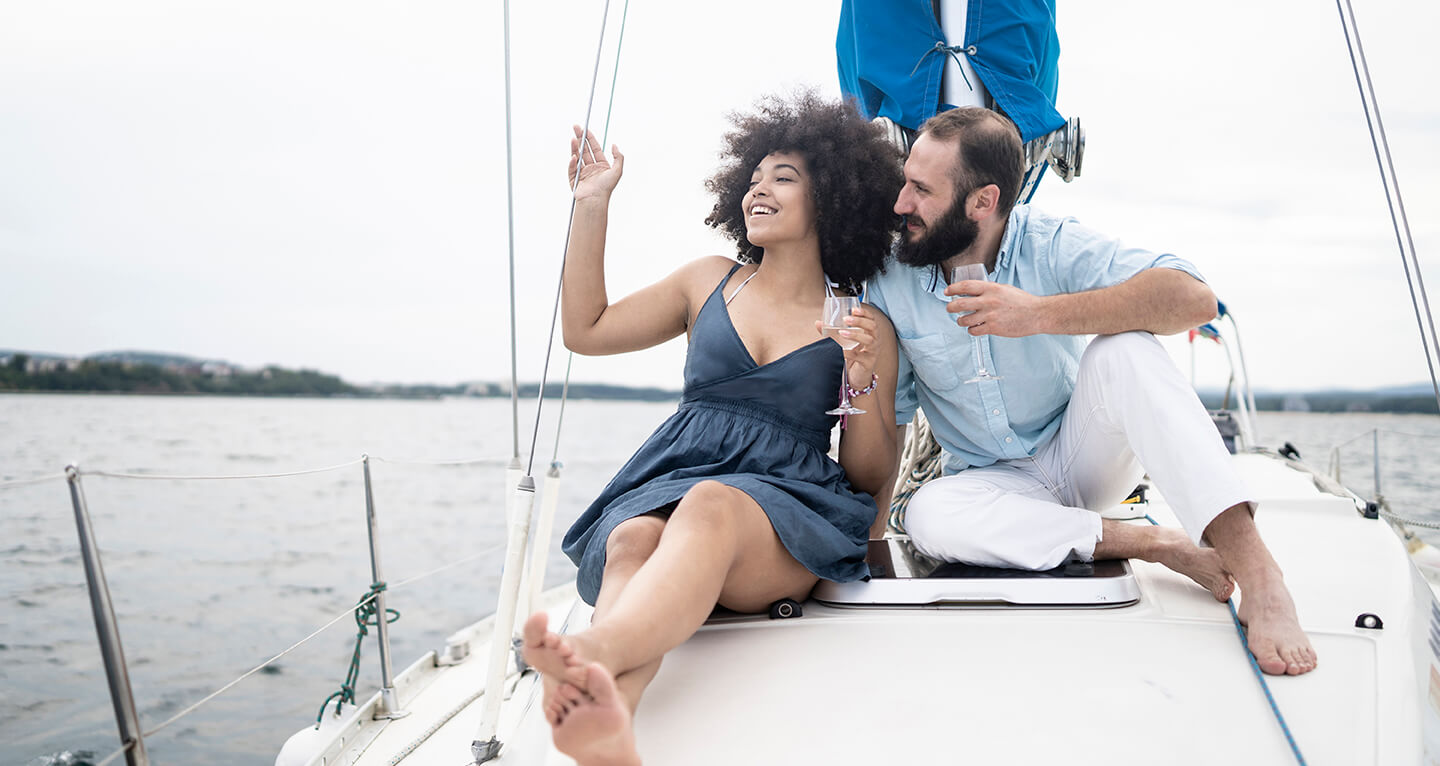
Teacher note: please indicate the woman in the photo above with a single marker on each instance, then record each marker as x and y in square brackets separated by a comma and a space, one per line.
[733, 500]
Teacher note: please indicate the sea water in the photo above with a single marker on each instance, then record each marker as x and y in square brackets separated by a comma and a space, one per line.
[210, 576]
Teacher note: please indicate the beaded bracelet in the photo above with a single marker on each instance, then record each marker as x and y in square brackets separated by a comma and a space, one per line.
[854, 392]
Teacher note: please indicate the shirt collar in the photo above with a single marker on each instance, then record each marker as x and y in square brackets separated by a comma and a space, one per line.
[929, 283]
[1009, 242]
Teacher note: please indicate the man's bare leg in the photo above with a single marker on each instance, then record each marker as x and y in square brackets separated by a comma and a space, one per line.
[1168, 547]
[1266, 609]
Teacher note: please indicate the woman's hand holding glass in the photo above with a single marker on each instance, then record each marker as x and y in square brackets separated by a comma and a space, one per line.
[846, 321]
[597, 177]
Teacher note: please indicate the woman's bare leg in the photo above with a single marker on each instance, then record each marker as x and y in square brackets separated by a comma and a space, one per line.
[718, 547]
[626, 550]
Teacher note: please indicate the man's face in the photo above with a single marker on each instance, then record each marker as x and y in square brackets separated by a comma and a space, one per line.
[936, 226]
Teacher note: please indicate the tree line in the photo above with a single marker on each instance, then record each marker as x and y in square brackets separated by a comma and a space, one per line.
[117, 377]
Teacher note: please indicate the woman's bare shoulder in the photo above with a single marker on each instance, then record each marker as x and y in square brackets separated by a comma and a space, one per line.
[703, 273]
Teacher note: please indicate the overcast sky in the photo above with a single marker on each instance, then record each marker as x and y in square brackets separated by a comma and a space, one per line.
[322, 184]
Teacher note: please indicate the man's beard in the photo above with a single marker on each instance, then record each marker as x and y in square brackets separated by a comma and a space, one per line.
[946, 237]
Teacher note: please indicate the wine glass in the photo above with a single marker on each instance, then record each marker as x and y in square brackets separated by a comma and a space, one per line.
[973, 271]
[832, 321]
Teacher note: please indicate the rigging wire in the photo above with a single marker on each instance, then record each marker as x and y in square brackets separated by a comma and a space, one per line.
[510, 211]
[1396, 202]
[604, 137]
[560, 281]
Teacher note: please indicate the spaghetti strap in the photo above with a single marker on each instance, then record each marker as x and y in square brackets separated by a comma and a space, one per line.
[742, 284]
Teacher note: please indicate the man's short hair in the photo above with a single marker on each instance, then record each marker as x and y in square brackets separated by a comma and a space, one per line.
[990, 150]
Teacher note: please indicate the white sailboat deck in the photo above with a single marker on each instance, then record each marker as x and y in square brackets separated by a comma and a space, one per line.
[1164, 680]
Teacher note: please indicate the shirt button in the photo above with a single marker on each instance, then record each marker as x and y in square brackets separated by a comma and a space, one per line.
[1008, 440]
[994, 412]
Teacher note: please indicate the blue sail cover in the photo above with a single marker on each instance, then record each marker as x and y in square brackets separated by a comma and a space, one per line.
[890, 64]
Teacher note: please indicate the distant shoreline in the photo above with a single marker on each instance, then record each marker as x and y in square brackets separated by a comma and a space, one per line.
[639, 395]
[153, 374]
[1329, 403]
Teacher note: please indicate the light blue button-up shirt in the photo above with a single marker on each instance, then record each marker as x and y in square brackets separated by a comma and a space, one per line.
[979, 423]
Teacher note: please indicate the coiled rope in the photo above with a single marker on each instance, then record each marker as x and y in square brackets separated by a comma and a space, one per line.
[365, 616]
[919, 463]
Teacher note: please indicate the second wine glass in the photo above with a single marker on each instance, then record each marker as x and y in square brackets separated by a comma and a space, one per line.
[974, 272]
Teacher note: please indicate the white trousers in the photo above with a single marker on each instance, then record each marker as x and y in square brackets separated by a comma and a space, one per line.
[1132, 412]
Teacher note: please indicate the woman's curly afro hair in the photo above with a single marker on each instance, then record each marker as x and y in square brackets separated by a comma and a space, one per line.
[854, 177]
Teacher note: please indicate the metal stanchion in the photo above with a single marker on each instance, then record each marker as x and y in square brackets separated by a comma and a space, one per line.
[107, 629]
[389, 700]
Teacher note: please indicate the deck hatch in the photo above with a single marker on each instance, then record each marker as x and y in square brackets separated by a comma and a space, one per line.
[900, 576]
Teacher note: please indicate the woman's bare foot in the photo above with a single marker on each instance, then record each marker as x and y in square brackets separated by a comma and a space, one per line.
[594, 726]
[551, 654]
[1203, 565]
[1272, 629]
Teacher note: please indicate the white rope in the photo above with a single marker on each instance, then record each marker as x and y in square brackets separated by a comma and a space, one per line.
[456, 461]
[1407, 433]
[167, 477]
[451, 565]
[36, 480]
[1410, 522]
[111, 757]
[919, 463]
[347, 613]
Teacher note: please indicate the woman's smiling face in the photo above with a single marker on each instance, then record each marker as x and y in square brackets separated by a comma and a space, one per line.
[779, 206]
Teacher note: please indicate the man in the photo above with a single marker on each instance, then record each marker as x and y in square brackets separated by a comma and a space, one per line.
[1031, 457]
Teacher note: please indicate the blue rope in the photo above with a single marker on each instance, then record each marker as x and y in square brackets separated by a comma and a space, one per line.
[1259, 674]
[1265, 687]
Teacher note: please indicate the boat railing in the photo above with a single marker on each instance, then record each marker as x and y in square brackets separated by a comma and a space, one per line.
[371, 605]
[1378, 499]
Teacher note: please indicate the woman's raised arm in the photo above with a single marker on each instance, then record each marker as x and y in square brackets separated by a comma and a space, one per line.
[591, 324]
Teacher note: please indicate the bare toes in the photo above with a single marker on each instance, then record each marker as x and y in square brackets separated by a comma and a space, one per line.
[570, 693]
[535, 629]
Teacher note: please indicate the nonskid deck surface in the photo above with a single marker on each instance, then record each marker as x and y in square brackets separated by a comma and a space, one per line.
[1163, 680]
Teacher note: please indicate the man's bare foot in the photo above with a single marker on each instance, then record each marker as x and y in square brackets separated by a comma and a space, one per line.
[594, 727]
[551, 654]
[1203, 565]
[1272, 629]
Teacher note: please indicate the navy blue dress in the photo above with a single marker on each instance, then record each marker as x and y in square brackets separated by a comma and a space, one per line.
[759, 428]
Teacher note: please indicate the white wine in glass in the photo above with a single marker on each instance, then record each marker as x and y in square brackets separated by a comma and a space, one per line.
[973, 272]
[832, 321]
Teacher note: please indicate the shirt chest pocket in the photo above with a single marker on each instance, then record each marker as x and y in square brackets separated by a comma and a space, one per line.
[932, 359]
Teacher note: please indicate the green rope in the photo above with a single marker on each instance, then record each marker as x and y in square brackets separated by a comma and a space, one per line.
[364, 617]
